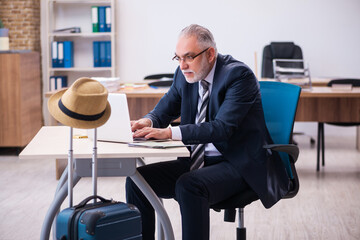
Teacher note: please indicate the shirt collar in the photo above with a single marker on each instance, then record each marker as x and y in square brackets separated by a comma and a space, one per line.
[210, 77]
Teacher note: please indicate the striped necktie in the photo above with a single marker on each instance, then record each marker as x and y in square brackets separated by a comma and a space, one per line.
[198, 153]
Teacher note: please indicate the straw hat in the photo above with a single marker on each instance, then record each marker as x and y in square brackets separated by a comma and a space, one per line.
[83, 105]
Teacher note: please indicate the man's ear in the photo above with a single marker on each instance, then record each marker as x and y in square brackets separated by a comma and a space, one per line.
[211, 54]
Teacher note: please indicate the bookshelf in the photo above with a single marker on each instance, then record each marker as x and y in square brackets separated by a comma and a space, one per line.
[61, 14]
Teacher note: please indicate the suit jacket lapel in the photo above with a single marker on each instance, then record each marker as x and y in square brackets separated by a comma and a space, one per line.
[193, 102]
[215, 87]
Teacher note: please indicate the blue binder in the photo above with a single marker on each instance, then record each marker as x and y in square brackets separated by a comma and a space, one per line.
[68, 54]
[61, 82]
[54, 54]
[52, 83]
[108, 54]
[102, 19]
[102, 54]
[96, 52]
[60, 62]
[107, 19]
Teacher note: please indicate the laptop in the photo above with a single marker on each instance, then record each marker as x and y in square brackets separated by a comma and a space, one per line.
[117, 128]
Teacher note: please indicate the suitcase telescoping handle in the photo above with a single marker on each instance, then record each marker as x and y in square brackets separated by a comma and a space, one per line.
[94, 165]
[71, 168]
[86, 200]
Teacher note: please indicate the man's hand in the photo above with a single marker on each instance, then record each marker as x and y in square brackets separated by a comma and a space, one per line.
[139, 124]
[155, 133]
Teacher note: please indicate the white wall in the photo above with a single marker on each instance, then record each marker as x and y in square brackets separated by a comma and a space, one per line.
[327, 30]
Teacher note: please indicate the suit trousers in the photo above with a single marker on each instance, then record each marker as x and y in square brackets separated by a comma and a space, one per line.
[195, 191]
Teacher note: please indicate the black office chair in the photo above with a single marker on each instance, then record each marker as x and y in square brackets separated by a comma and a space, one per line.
[278, 50]
[160, 80]
[321, 131]
[279, 102]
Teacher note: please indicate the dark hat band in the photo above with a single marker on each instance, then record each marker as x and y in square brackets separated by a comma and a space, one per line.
[78, 116]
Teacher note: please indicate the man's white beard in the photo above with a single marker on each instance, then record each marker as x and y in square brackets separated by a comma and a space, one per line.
[193, 79]
[200, 75]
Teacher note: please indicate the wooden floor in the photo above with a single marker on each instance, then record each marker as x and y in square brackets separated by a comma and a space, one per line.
[326, 207]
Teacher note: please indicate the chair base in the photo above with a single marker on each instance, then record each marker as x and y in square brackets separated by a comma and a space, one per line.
[240, 233]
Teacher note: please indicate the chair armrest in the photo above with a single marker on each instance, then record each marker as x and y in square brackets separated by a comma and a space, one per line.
[290, 149]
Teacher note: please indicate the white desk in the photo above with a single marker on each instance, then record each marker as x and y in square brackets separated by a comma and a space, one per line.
[53, 142]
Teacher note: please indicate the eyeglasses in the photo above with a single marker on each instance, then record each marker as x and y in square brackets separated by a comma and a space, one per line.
[188, 58]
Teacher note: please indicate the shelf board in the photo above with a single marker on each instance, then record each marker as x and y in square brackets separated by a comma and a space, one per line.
[100, 34]
[82, 1]
[83, 69]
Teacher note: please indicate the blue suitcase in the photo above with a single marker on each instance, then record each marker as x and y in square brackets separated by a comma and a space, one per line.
[104, 220]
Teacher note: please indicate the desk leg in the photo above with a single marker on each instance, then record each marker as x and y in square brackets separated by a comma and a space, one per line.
[155, 202]
[55, 205]
[159, 228]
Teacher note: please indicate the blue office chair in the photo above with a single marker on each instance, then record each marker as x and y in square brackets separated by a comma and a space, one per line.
[279, 102]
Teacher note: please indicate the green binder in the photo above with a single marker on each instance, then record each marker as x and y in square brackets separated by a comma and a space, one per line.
[95, 19]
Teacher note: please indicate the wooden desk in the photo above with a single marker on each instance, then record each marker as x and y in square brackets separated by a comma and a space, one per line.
[320, 104]
[323, 104]
[315, 82]
[144, 99]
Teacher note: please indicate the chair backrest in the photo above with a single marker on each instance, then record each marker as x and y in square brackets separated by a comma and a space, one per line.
[160, 80]
[159, 76]
[279, 101]
[352, 81]
[278, 50]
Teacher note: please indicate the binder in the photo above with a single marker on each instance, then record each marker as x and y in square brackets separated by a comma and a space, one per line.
[52, 86]
[102, 54]
[68, 54]
[96, 51]
[107, 19]
[60, 55]
[54, 54]
[95, 19]
[101, 18]
[108, 54]
[61, 82]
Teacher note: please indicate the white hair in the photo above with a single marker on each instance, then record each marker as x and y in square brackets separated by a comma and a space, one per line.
[203, 35]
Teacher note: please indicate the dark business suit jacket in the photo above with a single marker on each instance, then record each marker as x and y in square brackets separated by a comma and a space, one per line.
[235, 125]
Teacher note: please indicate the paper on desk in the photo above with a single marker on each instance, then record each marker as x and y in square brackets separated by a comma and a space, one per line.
[341, 87]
